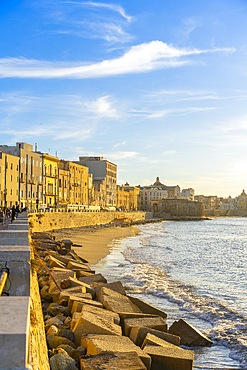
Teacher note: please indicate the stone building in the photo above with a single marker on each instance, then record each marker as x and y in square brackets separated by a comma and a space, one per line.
[156, 191]
[134, 192]
[9, 180]
[73, 183]
[50, 175]
[30, 173]
[123, 198]
[177, 208]
[104, 180]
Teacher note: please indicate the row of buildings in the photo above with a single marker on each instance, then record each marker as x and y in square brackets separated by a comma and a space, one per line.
[37, 180]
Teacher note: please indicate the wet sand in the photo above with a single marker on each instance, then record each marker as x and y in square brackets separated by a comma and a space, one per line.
[96, 242]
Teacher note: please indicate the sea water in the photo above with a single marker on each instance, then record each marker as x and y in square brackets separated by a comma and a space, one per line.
[195, 270]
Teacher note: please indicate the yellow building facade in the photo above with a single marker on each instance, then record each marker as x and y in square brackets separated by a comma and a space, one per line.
[50, 175]
[122, 198]
[9, 180]
[73, 183]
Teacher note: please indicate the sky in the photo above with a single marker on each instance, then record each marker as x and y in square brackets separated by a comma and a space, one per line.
[158, 87]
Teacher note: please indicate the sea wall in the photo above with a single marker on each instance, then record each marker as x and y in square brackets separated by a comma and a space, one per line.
[226, 213]
[42, 222]
[178, 208]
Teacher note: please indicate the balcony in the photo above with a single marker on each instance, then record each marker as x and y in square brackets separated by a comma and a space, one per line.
[52, 175]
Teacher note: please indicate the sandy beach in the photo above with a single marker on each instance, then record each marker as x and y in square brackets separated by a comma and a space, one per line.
[96, 242]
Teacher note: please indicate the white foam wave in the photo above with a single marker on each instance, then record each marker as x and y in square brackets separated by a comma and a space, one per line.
[229, 326]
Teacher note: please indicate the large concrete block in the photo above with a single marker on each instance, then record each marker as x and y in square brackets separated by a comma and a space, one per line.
[14, 332]
[76, 282]
[167, 358]
[61, 274]
[108, 315]
[189, 335]
[104, 291]
[138, 334]
[116, 360]
[88, 323]
[54, 262]
[77, 265]
[119, 304]
[157, 323]
[115, 285]
[147, 308]
[78, 298]
[97, 344]
[153, 340]
[98, 278]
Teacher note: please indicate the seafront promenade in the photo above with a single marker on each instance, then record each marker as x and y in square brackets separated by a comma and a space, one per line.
[15, 293]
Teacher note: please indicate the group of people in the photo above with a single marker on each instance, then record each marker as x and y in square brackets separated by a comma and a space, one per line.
[10, 213]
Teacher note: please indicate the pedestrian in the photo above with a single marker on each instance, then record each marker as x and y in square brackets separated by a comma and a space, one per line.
[13, 213]
[17, 210]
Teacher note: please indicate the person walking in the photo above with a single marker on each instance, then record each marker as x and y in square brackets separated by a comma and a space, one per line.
[13, 213]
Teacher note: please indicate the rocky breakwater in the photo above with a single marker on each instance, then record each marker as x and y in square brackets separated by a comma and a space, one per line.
[93, 324]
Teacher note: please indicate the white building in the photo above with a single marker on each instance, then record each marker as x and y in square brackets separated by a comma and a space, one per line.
[157, 191]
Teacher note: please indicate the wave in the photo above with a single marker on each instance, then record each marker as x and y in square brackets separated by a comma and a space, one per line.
[229, 327]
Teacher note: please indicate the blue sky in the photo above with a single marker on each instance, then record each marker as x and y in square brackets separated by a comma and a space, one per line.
[158, 87]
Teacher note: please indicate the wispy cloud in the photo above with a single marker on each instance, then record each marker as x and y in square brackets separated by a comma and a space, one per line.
[162, 113]
[108, 22]
[236, 124]
[138, 59]
[113, 7]
[190, 25]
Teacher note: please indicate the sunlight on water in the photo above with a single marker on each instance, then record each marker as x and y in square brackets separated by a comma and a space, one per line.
[196, 271]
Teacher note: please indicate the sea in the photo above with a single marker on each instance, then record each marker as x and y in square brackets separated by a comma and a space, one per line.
[194, 270]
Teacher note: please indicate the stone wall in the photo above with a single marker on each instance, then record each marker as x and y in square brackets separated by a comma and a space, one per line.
[177, 208]
[42, 222]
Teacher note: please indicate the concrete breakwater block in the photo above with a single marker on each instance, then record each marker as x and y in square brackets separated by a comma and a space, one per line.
[147, 308]
[89, 323]
[76, 282]
[167, 358]
[109, 292]
[151, 322]
[96, 278]
[108, 315]
[79, 304]
[79, 297]
[189, 335]
[97, 344]
[116, 360]
[117, 286]
[138, 334]
[119, 304]
[77, 265]
[60, 274]
[153, 340]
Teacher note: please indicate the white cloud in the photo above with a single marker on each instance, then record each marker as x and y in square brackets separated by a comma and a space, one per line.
[118, 155]
[236, 124]
[138, 59]
[103, 107]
